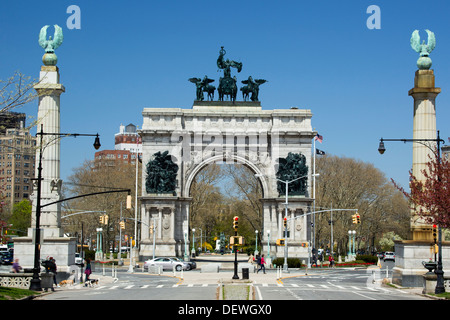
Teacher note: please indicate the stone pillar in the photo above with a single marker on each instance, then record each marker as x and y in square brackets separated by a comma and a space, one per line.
[424, 94]
[49, 90]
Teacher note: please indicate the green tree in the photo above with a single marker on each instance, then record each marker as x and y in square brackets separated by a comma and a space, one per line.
[21, 217]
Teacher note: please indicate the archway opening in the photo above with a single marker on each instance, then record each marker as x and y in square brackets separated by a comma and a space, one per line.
[219, 192]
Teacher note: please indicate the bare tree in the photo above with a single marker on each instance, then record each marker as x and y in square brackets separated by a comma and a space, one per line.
[89, 178]
[347, 183]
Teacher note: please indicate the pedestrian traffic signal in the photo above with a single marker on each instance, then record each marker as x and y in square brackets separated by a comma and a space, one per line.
[104, 219]
[435, 233]
[280, 242]
[235, 223]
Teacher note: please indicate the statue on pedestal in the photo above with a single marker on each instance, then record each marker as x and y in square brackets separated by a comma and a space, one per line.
[424, 62]
[50, 45]
[227, 85]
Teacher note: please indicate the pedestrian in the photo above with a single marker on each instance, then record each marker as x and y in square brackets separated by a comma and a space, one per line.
[88, 270]
[251, 258]
[331, 260]
[53, 268]
[261, 265]
[16, 267]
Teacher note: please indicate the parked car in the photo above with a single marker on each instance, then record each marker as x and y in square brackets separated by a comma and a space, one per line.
[78, 259]
[380, 255]
[389, 256]
[166, 263]
[7, 258]
[189, 264]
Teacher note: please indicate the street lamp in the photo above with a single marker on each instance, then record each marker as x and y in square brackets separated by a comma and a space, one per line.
[193, 243]
[35, 283]
[285, 265]
[256, 245]
[381, 149]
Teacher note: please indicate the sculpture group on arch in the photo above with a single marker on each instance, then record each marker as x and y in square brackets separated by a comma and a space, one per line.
[227, 84]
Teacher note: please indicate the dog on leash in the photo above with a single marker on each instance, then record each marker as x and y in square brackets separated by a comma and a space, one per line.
[66, 283]
[91, 282]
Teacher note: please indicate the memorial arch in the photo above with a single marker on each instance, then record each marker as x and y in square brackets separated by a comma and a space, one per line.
[184, 141]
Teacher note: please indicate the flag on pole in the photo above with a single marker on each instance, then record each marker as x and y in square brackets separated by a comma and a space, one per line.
[320, 152]
[319, 138]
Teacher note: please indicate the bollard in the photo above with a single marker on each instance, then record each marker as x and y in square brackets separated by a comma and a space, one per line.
[182, 273]
[103, 266]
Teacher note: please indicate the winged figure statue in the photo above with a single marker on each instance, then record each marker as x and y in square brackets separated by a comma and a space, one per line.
[252, 86]
[424, 61]
[203, 86]
[50, 45]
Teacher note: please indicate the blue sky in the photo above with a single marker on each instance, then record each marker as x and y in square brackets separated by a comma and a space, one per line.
[318, 55]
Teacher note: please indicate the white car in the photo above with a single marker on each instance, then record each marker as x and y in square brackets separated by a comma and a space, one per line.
[389, 256]
[166, 263]
[78, 259]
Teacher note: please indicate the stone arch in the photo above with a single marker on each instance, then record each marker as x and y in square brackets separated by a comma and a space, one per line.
[235, 158]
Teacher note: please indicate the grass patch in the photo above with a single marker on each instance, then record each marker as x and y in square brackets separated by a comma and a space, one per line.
[15, 293]
[445, 295]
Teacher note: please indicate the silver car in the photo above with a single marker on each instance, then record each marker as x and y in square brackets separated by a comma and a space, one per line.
[166, 263]
[389, 256]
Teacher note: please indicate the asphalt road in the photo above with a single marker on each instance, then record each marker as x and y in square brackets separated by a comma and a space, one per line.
[318, 284]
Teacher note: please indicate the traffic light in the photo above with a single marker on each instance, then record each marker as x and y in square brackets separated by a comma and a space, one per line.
[358, 218]
[435, 233]
[285, 222]
[354, 220]
[235, 223]
[104, 219]
[122, 224]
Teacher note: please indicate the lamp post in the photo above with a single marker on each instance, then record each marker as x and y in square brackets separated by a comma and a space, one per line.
[35, 283]
[381, 149]
[256, 242]
[285, 265]
[354, 243]
[349, 243]
[185, 245]
[193, 243]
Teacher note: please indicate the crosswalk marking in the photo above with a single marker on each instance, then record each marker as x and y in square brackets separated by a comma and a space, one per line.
[286, 285]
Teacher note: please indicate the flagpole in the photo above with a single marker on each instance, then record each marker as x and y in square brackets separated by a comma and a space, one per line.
[314, 194]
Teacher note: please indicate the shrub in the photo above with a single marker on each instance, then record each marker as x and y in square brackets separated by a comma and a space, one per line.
[292, 262]
[367, 258]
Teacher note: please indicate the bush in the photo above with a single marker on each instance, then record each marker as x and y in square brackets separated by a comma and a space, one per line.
[367, 258]
[292, 262]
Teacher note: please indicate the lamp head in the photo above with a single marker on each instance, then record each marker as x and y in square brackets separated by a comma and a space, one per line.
[97, 144]
[381, 148]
